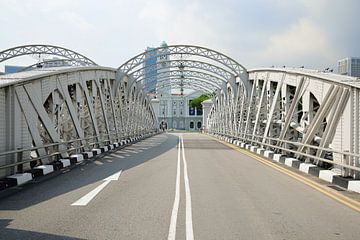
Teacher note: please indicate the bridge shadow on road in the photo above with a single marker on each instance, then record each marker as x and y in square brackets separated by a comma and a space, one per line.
[16, 234]
[87, 173]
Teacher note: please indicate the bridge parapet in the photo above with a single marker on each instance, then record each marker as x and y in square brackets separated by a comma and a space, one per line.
[307, 114]
[48, 114]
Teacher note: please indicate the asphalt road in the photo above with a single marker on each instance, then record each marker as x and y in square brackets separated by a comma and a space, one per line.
[204, 190]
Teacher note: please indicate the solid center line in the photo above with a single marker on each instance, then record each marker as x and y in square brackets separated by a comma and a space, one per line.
[174, 213]
[189, 224]
[88, 197]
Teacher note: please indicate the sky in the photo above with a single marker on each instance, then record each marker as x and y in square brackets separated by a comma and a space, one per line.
[256, 33]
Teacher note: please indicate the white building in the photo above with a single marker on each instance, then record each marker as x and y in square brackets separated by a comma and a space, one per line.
[349, 66]
[175, 112]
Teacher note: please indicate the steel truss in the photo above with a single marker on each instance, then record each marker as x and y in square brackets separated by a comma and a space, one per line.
[228, 68]
[190, 83]
[70, 112]
[162, 76]
[187, 85]
[186, 64]
[291, 113]
[45, 49]
[288, 112]
[63, 62]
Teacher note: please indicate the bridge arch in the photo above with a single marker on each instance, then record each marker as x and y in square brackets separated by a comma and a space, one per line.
[45, 49]
[222, 65]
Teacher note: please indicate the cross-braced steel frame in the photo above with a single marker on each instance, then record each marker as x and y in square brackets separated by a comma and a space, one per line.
[45, 49]
[63, 113]
[55, 62]
[208, 62]
[310, 117]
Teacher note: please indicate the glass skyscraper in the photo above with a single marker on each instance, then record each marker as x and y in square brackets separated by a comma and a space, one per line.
[150, 70]
[156, 68]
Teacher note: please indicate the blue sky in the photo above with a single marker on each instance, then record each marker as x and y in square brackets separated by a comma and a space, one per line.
[257, 33]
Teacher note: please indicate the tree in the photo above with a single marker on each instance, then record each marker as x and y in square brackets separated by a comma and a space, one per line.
[196, 102]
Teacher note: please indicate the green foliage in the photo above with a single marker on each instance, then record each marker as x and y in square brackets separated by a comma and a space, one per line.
[196, 102]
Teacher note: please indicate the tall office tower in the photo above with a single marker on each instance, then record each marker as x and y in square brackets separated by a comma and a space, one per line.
[349, 66]
[150, 70]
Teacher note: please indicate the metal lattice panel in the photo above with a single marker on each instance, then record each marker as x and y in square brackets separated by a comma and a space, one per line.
[188, 74]
[49, 63]
[179, 50]
[45, 49]
[187, 85]
[188, 64]
[188, 82]
[301, 115]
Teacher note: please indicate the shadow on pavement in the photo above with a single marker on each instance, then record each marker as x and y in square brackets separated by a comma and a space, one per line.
[88, 173]
[15, 234]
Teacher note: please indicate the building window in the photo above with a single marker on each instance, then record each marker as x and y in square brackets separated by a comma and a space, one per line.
[191, 125]
[191, 111]
[199, 124]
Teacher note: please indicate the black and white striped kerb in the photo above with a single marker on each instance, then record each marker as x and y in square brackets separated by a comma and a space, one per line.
[324, 174]
[39, 171]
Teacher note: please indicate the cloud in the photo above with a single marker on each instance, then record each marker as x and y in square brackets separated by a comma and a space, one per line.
[256, 33]
[304, 41]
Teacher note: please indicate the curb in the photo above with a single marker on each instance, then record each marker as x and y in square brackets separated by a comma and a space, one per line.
[10, 182]
[324, 174]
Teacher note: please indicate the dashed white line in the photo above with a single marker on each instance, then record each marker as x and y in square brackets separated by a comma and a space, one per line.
[174, 213]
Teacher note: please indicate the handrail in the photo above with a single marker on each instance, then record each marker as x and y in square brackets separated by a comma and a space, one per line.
[57, 144]
[296, 152]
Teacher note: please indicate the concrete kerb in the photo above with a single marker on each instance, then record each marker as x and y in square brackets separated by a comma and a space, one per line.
[21, 178]
[8, 183]
[327, 175]
[260, 151]
[311, 169]
[253, 148]
[268, 153]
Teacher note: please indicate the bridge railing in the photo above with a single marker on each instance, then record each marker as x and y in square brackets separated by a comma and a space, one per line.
[258, 140]
[76, 144]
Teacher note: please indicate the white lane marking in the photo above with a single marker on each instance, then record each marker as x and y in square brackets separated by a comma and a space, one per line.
[189, 224]
[174, 213]
[88, 197]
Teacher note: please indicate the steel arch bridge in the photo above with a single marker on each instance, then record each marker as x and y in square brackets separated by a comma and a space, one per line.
[64, 112]
[58, 112]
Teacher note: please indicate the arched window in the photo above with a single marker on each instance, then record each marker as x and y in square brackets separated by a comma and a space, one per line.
[199, 124]
[191, 125]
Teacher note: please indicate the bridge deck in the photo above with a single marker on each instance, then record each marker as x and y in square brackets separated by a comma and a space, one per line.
[232, 197]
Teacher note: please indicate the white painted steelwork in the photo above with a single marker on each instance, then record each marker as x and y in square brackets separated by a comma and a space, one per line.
[298, 112]
[62, 111]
